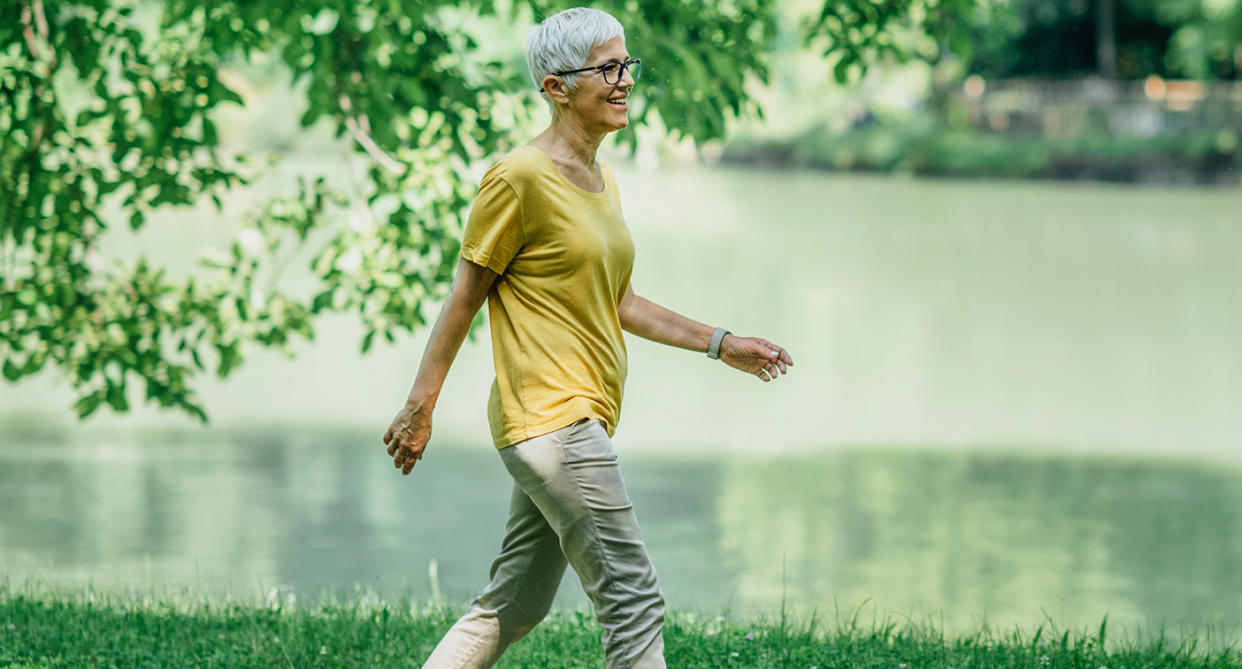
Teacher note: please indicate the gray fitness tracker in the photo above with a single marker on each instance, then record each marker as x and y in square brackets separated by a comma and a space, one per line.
[713, 348]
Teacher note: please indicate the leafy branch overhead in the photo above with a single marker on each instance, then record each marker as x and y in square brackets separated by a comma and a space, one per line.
[855, 33]
[107, 114]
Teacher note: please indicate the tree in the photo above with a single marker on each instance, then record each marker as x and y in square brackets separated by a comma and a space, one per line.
[1207, 37]
[107, 115]
[1128, 39]
[857, 33]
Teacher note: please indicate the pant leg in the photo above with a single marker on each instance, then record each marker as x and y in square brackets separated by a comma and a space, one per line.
[576, 483]
[524, 580]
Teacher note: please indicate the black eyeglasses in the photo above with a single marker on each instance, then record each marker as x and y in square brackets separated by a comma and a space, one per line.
[611, 70]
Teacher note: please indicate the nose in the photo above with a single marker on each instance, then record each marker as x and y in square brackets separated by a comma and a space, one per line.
[627, 79]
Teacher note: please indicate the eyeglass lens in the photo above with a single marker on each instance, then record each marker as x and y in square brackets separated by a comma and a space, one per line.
[612, 74]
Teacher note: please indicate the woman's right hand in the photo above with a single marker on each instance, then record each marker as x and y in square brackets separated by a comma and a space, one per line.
[408, 435]
[411, 429]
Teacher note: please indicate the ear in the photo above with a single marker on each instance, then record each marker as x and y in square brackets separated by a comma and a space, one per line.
[556, 89]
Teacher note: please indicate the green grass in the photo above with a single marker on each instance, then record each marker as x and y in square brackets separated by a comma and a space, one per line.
[44, 630]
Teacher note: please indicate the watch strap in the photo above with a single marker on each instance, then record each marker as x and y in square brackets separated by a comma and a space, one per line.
[713, 347]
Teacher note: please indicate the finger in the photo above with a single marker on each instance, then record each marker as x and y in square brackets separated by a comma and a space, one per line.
[771, 369]
[778, 353]
[776, 364]
[404, 455]
[388, 435]
[763, 375]
[774, 357]
[392, 448]
[412, 458]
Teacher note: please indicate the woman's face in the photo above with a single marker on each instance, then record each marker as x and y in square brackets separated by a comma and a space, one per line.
[599, 105]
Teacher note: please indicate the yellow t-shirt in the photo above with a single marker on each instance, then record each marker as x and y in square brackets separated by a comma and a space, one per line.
[564, 258]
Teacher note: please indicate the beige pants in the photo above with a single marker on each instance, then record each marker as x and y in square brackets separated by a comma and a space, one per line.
[569, 505]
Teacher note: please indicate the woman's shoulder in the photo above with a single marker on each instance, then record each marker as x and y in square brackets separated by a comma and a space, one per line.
[520, 166]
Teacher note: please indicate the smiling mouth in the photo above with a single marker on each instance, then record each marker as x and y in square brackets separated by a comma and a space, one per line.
[618, 101]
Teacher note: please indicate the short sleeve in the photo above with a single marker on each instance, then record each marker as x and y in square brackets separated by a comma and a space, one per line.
[494, 232]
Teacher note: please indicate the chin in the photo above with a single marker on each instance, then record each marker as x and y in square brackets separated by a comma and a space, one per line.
[613, 127]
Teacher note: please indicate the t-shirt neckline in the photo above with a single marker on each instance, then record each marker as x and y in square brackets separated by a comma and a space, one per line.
[564, 179]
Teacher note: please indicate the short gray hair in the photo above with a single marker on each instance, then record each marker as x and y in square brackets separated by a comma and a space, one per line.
[564, 41]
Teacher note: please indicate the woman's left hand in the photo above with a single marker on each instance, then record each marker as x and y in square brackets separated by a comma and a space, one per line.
[755, 356]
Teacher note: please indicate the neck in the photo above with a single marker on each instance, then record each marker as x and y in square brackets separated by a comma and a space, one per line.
[568, 140]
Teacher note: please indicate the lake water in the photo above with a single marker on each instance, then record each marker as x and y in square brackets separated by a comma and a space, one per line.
[910, 532]
[1009, 400]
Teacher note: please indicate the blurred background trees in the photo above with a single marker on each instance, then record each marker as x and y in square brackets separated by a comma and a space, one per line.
[1116, 90]
[1128, 39]
[111, 112]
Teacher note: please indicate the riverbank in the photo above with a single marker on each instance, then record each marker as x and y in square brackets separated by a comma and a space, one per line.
[922, 147]
[42, 630]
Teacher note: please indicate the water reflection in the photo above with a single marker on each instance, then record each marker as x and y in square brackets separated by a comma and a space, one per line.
[922, 533]
[1008, 536]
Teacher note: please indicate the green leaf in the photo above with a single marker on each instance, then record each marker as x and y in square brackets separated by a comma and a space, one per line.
[115, 396]
[34, 363]
[230, 357]
[322, 301]
[195, 411]
[88, 404]
[224, 94]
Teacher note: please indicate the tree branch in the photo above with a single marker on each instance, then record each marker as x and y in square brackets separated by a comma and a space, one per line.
[360, 134]
[28, 32]
[35, 11]
[41, 19]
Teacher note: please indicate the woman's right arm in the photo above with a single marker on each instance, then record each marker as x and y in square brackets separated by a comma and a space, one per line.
[411, 429]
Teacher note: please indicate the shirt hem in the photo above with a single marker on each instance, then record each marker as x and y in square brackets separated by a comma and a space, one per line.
[514, 438]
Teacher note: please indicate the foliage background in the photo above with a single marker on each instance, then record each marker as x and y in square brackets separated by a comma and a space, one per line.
[111, 112]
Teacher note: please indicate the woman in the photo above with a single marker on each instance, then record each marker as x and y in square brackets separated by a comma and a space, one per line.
[546, 245]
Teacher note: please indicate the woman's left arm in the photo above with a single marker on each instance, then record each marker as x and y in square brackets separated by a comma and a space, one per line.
[649, 320]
